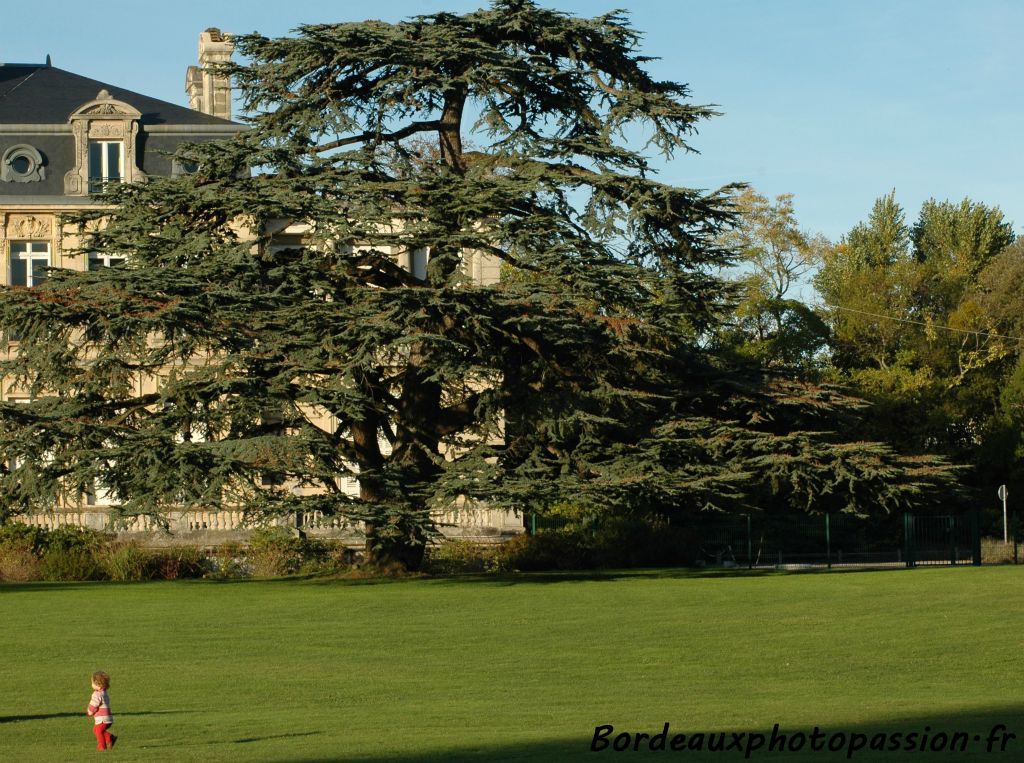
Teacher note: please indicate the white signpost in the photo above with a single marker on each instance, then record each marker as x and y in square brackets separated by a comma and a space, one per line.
[1002, 497]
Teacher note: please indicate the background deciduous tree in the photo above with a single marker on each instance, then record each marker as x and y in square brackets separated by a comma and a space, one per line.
[923, 320]
[772, 324]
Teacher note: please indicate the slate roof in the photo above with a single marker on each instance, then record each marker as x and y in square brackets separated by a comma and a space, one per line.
[42, 94]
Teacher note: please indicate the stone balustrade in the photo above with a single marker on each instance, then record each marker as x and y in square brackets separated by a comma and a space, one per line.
[213, 527]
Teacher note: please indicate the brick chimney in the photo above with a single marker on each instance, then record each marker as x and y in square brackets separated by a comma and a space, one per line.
[207, 92]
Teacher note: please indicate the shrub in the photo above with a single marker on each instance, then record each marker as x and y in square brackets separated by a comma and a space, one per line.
[229, 549]
[176, 562]
[126, 562]
[274, 551]
[642, 542]
[70, 553]
[228, 562]
[639, 541]
[18, 562]
[325, 558]
[20, 546]
[75, 553]
[454, 555]
[69, 564]
[994, 551]
[566, 549]
[20, 535]
[71, 536]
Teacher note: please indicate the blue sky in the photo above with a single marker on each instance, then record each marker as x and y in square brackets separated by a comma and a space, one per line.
[835, 102]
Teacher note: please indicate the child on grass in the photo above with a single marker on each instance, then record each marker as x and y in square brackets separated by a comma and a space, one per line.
[99, 709]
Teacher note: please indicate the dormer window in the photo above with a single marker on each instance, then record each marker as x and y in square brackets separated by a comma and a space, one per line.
[106, 163]
[106, 134]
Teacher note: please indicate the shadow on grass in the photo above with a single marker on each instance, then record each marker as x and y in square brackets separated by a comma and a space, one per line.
[541, 578]
[249, 740]
[43, 717]
[500, 579]
[675, 573]
[48, 716]
[240, 740]
[51, 585]
[32, 586]
[988, 734]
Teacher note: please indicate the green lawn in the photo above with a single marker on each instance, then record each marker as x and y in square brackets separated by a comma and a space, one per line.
[521, 668]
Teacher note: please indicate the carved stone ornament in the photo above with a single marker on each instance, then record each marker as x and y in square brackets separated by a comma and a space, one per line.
[106, 130]
[28, 226]
[105, 105]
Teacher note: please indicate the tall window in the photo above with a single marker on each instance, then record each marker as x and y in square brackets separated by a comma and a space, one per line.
[418, 263]
[106, 163]
[29, 260]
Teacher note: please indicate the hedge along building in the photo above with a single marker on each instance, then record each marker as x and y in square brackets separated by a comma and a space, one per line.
[62, 137]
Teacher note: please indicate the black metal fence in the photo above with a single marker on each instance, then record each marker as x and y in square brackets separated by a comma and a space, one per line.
[828, 540]
[950, 539]
[839, 540]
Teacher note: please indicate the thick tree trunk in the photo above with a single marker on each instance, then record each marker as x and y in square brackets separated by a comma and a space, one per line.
[450, 130]
[385, 547]
[381, 548]
[393, 553]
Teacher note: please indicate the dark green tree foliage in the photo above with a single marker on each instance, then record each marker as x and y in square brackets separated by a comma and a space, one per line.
[580, 376]
[999, 296]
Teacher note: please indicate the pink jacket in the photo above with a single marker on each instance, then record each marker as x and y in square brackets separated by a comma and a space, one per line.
[99, 708]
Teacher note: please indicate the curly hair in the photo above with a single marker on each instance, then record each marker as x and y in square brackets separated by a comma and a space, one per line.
[101, 680]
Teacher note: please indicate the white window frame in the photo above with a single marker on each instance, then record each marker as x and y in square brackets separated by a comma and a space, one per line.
[34, 250]
[97, 181]
[103, 260]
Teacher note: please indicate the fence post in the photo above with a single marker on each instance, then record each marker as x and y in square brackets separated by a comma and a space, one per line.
[908, 538]
[828, 539]
[750, 546]
[976, 538]
[952, 539]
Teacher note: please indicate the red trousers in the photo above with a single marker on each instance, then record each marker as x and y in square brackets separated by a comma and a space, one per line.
[104, 741]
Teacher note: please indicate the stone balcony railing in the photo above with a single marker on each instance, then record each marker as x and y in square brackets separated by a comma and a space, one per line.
[209, 528]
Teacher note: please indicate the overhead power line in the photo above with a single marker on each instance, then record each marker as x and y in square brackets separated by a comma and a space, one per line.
[926, 324]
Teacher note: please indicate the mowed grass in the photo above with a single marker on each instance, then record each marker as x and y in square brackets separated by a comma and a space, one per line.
[519, 668]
